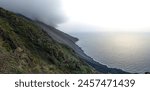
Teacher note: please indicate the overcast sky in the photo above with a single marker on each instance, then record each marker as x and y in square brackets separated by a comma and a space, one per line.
[110, 15]
[47, 11]
[104, 15]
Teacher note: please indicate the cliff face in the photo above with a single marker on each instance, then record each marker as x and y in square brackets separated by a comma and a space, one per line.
[26, 48]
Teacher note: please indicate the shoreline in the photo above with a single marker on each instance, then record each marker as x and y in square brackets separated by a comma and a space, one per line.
[71, 41]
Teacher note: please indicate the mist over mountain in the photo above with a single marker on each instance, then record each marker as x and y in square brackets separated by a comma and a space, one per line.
[46, 11]
[28, 46]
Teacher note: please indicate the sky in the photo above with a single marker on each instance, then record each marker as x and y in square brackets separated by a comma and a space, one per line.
[47, 11]
[97, 15]
[109, 15]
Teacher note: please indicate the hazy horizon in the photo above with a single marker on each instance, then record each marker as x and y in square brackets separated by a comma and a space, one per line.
[128, 51]
[125, 43]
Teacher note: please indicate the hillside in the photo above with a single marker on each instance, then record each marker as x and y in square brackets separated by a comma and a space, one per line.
[70, 41]
[26, 48]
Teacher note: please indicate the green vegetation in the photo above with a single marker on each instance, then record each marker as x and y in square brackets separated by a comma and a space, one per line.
[26, 48]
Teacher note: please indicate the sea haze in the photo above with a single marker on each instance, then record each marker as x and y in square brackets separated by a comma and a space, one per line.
[127, 51]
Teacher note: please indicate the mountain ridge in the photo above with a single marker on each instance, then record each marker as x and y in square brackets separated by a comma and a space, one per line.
[67, 40]
[28, 46]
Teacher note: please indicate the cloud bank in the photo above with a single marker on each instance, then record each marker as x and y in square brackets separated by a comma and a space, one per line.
[47, 11]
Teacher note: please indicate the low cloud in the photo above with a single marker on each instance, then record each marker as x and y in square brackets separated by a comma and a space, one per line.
[46, 11]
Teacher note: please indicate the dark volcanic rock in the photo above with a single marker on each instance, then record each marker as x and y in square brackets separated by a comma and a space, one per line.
[70, 41]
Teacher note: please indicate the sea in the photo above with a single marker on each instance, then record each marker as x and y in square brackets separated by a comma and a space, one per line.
[129, 51]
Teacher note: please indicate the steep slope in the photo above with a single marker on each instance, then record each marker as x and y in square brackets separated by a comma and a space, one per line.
[26, 48]
[70, 41]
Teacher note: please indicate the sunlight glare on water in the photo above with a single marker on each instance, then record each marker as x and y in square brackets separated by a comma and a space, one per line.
[127, 51]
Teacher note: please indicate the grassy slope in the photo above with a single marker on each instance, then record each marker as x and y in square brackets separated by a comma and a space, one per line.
[25, 48]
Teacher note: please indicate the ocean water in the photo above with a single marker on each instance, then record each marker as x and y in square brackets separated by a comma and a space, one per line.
[127, 51]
